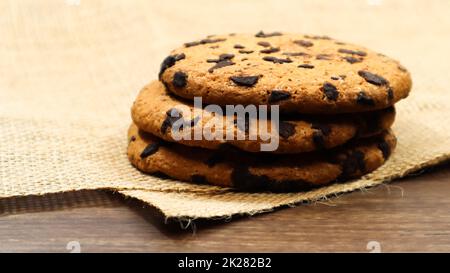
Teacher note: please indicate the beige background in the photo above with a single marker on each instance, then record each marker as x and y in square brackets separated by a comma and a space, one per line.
[69, 71]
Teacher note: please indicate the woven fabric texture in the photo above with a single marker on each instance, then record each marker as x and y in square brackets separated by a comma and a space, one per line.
[70, 70]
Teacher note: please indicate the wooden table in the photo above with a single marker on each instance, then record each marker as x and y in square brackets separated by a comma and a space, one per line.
[412, 214]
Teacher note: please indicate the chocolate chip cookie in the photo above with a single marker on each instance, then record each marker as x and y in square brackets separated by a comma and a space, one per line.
[300, 73]
[154, 111]
[249, 171]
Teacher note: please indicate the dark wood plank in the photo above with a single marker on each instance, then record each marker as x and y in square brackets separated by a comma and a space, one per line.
[408, 215]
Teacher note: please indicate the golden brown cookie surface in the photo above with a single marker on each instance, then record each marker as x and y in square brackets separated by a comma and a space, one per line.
[301, 73]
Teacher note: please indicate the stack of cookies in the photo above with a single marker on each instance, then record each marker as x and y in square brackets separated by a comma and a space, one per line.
[329, 106]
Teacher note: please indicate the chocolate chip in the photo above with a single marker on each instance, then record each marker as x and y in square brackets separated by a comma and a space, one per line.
[324, 128]
[270, 50]
[317, 37]
[353, 162]
[277, 60]
[335, 78]
[384, 148]
[364, 99]
[222, 57]
[248, 81]
[244, 180]
[216, 157]
[330, 91]
[323, 57]
[372, 78]
[296, 54]
[319, 140]
[204, 41]
[264, 44]
[170, 61]
[172, 115]
[352, 52]
[132, 138]
[261, 34]
[303, 43]
[286, 129]
[199, 179]
[352, 60]
[238, 46]
[150, 149]
[390, 93]
[278, 95]
[220, 65]
[189, 44]
[179, 79]
[307, 66]
[243, 51]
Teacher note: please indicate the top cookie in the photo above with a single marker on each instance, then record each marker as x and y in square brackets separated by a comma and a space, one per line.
[300, 73]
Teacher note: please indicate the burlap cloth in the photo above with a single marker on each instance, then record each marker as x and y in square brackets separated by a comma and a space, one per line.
[70, 69]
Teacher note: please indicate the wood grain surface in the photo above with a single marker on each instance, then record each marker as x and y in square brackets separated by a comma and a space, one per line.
[409, 215]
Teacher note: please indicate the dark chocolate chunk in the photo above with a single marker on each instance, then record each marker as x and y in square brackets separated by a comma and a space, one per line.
[303, 43]
[261, 34]
[220, 65]
[296, 54]
[330, 91]
[317, 37]
[204, 41]
[319, 140]
[352, 60]
[277, 60]
[286, 129]
[372, 78]
[278, 95]
[352, 52]
[384, 148]
[243, 51]
[307, 66]
[335, 78]
[323, 57]
[248, 81]
[179, 79]
[215, 158]
[390, 93]
[270, 50]
[222, 57]
[132, 138]
[150, 149]
[189, 44]
[172, 115]
[353, 162]
[364, 99]
[199, 179]
[170, 61]
[323, 130]
[264, 44]
[238, 46]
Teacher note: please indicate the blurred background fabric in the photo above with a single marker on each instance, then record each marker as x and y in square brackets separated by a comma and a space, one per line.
[70, 70]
